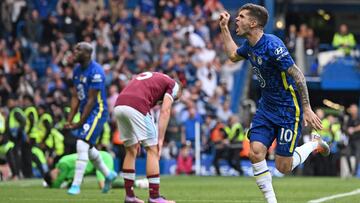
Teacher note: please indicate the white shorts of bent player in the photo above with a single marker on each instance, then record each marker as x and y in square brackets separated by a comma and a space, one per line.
[134, 127]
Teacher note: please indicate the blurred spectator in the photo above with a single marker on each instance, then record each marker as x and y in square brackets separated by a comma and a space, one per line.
[5, 89]
[69, 22]
[235, 136]
[213, 7]
[218, 140]
[188, 131]
[113, 93]
[311, 50]
[104, 31]
[146, 6]
[5, 17]
[50, 30]
[16, 134]
[173, 131]
[290, 40]
[184, 160]
[224, 112]
[142, 47]
[344, 40]
[208, 77]
[41, 61]
[227, 73]
[44, 7]
[7, 152]
[90, 8]
[300, 47]
[33, 27]
[352, 129]
[9, 59]
[116, 8]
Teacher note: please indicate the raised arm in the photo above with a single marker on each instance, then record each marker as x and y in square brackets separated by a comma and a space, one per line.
[229, 44]
[309, 116]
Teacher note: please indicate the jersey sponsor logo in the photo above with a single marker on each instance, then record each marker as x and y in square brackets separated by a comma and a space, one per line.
[96, 78]
[282, 56]
[279, 50]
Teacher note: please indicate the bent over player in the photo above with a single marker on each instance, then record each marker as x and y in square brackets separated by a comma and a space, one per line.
[132, 112]
[89, 96]
[284, 101]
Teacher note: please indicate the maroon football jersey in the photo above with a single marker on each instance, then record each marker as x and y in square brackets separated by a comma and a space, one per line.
[145, 90]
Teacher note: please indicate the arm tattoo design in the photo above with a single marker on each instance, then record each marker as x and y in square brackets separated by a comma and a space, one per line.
[299, 78]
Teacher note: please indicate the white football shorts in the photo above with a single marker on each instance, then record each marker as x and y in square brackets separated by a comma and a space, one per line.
[134, 127]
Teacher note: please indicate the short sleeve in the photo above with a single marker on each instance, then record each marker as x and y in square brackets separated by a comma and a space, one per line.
[242, 51]
[96, 80]
[173, 89]
[280, 55]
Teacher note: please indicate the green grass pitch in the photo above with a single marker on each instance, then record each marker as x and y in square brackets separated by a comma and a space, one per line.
[185, 189]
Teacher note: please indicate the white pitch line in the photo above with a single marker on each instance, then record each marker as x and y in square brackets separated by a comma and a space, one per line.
[355, 192]
[116, 200]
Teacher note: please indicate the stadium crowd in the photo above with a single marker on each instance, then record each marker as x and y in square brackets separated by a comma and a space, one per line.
[179, 38]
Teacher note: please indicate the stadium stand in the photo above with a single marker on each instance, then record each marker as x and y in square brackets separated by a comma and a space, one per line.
[178, 37]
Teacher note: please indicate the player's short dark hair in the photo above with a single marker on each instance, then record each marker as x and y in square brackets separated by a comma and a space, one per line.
[47, 179]
[258, 12]
[85, 46]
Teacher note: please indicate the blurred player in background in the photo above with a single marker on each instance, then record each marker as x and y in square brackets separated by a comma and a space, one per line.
[65, 169]
[137, 127]
[89, 97]
[284, 99]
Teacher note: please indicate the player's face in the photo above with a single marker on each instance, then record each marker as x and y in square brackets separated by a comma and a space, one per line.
[243, 22]
[78, 54]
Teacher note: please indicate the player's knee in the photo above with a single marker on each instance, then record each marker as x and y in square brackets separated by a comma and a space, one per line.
[131, 151]
[152, 150]
[256, 156]
[257, 152]
[94, 154]
[283, 167]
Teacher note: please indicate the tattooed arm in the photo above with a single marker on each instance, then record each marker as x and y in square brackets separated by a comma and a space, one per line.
[299, 78]
[309, 116]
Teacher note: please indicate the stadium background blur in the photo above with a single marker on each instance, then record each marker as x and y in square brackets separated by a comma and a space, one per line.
[181, 38]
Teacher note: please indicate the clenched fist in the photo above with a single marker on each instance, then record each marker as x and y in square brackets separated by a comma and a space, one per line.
[224, 19]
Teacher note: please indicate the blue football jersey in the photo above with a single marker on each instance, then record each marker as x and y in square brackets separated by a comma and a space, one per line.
[270, 60]
[93, 77]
